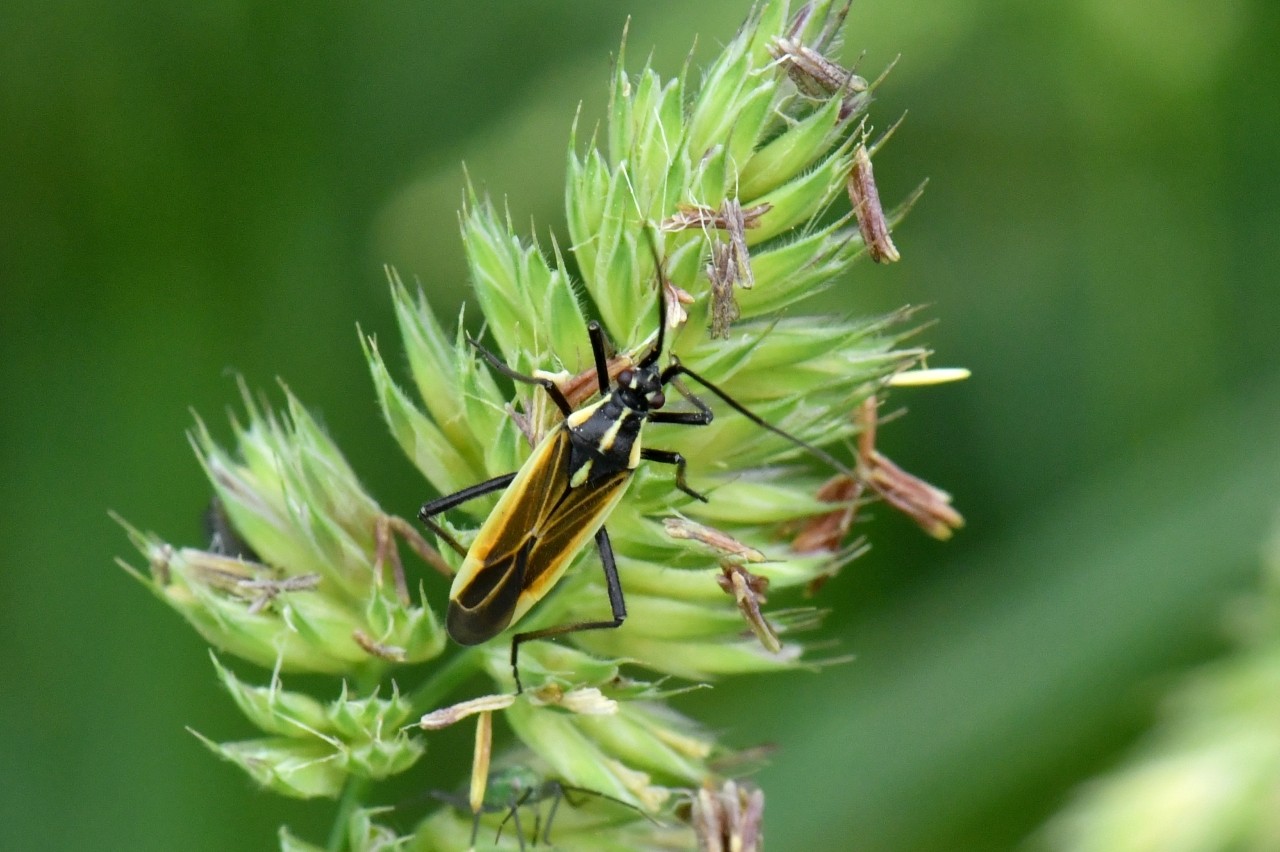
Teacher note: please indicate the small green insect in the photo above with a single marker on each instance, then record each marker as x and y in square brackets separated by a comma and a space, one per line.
[518, 787]
[563, 494]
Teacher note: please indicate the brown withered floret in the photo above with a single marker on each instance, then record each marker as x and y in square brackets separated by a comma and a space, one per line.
[748, 592]
[867, 209]
[722, 273]
[390, 653]
[826, 532]
[718, 540]
[930, 507]
[729, 818]
[819, 77]
[730, 263]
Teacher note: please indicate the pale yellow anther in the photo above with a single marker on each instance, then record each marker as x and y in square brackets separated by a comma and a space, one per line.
[446, 716]
[928, 376]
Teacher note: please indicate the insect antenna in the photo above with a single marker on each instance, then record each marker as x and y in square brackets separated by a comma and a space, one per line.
[675, 369]
[651, 357]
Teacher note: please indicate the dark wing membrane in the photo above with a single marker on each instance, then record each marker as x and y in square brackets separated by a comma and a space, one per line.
[484, 608]
[575, 519]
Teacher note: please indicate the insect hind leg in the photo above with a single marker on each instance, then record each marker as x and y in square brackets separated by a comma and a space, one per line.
[617, 606]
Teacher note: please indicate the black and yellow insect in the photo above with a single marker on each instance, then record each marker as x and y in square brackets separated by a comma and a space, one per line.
[564, 492]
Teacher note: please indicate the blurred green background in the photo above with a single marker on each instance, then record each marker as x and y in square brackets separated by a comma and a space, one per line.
[190, 192]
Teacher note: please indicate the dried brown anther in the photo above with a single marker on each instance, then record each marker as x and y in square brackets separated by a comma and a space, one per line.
[865, 199]
[826, 532]
[930, 507]
[718, 540]
[748, 592]
[249, 581]
[268, 590]
[729, 819]
[443, 717]
[677, 298]
[817, 76]
[730, 263]
[699, 216]
[390, 653]
[722, 273]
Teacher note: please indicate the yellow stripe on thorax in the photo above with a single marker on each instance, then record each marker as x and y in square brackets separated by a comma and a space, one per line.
[580, 475]
[607, 439]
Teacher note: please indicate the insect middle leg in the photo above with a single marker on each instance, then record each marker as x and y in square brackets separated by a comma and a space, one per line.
[701, 417]
[617, 606]
[674, 458]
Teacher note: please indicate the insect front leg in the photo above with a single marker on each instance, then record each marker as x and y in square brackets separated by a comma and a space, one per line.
[443, 504]
[677, 369]
[616, 604]
[701, 417]
[670, 457]
[600, 354]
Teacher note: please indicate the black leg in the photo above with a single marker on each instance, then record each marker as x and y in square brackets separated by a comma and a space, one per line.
[684, 418]
[677, 369]
[498, 364]
[616, 604]
[669, 457]
[598, 350]
[443, 504]
[701, 417]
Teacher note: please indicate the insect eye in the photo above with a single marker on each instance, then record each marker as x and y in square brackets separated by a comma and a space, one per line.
[657, 399]
[625, 378]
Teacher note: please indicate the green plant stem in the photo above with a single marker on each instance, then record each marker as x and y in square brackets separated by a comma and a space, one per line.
[427, 696]
[353, 790]
[351, 797]
[424, 698]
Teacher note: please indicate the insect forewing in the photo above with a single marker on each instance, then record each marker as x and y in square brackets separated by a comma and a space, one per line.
[539, 524]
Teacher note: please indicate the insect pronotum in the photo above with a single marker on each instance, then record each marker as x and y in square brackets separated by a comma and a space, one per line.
[564, 492]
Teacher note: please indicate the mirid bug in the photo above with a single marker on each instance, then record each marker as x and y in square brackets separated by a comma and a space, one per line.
[518, 787]
[564, 492]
